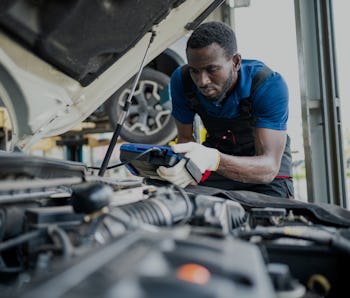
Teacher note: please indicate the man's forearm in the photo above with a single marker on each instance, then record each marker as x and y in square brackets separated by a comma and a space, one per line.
[249, 169]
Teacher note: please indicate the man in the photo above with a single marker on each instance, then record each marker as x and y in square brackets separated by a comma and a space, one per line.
[244, 108]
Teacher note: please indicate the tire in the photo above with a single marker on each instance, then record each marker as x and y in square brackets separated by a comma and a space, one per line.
[149, 119]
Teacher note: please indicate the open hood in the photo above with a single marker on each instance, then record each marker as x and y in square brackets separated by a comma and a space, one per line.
[60, 60]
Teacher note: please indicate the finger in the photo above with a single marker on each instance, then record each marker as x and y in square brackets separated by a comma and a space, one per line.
[161, 171]
[183, 147]
[182, 179]
[172, 170]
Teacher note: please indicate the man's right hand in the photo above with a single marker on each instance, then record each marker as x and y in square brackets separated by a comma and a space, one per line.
[205, 158]
[177, 174]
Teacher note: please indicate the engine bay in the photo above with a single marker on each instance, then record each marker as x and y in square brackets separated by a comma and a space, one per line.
[67, 233]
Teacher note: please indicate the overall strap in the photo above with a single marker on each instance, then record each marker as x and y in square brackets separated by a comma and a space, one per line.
[245, 105]
[260, 77]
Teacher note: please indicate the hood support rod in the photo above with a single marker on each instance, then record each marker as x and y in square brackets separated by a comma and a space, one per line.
[124, 112]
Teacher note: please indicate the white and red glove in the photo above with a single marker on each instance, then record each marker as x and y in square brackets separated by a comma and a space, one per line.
[203, 157]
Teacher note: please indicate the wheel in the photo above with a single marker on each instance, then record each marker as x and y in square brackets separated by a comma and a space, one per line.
[149, 118]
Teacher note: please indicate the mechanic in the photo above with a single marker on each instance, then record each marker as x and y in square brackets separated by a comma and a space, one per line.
[243, 105]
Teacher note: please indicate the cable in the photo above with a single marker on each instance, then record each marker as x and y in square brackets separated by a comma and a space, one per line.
[188, 203]
[333, 240]
[21, 239]
[128, 161]
[124, 112]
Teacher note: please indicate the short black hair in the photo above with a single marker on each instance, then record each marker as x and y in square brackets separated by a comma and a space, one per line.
[213, 32]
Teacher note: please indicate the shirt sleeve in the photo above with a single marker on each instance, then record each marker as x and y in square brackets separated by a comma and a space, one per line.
[181, 110]
[270, 103]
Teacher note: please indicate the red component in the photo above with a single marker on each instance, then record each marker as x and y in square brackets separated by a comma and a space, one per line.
[193, 273]
[205, 175]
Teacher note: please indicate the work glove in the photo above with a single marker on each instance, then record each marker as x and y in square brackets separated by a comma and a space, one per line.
[204, 158]
[177, 174]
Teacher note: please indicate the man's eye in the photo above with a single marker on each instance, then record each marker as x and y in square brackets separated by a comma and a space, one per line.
[212, 69]
[193, 71]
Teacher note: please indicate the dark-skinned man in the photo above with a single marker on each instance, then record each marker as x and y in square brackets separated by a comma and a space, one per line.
[243, 105]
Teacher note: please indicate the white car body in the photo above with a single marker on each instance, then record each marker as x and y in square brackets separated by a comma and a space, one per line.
[49, 102]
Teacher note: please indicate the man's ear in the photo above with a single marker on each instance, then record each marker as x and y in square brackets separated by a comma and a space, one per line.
[236, 59]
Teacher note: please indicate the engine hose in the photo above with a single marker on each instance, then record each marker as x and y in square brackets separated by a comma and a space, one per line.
[67, 247]
[151, 212]
[162, 211]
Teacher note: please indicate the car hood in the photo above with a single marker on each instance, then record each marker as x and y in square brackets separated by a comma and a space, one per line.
[60, 60]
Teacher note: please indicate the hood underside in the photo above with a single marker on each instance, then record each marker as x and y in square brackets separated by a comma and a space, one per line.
[82, 38]
[63, 59]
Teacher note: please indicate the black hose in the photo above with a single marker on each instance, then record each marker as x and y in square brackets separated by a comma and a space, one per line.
[166, 209]
[67, 247]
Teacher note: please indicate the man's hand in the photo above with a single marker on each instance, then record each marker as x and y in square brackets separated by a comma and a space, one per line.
[177, 174]
[203, 157]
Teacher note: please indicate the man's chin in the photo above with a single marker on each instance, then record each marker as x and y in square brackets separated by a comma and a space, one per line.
[211, 97]
[214, 99]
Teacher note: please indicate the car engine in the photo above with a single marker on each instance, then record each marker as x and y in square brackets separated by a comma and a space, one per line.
[65, 232]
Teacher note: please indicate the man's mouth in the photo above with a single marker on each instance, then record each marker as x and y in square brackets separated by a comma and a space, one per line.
[208, 91]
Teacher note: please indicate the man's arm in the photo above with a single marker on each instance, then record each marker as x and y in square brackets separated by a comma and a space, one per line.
[184, 132]
[261, 168]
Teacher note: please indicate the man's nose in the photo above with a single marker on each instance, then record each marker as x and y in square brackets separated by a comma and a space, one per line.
[203, 79]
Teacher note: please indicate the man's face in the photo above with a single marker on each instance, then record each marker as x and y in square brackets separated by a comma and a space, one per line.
[212, 71]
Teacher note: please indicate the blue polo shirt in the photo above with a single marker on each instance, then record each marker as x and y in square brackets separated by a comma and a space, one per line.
[269, 106]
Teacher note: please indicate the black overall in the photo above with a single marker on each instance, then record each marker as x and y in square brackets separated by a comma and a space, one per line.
[236, 137]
